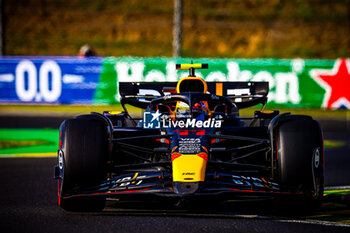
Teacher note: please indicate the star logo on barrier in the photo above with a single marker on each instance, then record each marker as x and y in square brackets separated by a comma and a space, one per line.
[336, 82]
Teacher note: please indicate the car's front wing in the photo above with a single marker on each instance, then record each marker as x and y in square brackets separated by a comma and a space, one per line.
[160, 184]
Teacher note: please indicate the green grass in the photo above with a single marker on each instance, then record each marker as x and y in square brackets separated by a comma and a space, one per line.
[20, 141]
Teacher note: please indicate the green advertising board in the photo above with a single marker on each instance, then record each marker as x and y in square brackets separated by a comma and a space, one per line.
[293, 83]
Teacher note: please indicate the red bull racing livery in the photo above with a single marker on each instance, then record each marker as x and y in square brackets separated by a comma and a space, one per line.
[189, 143]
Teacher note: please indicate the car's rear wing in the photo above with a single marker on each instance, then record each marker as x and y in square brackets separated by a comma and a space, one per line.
[243, 94]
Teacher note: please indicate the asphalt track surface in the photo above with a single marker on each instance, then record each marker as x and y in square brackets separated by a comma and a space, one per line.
[28, 201]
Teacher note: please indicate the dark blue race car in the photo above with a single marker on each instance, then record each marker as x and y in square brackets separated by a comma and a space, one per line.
[189, 144]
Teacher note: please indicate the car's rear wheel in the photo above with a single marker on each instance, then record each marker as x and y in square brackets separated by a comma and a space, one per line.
[300, 162]
[83, 160]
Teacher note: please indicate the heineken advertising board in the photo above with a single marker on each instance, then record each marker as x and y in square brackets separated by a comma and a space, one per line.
[72, 80]
[293, 83]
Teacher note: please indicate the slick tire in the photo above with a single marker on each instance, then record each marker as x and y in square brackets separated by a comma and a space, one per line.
[85, 149]
[300, 161]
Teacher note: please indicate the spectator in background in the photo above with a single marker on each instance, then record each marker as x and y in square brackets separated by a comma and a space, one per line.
[87, 51]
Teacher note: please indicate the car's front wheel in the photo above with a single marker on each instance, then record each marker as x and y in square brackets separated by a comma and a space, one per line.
[82, 158]
[300, 161]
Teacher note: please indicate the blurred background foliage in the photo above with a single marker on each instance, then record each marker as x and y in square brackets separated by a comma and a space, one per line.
[211, 28]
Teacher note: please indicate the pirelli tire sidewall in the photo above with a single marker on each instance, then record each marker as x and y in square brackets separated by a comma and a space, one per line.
[85, 153]
[300, 157]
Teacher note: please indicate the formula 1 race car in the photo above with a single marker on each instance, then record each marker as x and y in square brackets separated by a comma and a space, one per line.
[189, 144]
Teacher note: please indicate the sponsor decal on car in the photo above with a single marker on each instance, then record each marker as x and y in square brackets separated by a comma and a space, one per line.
[189, 145]
[155, 120]
[253, 181]
[127, 181]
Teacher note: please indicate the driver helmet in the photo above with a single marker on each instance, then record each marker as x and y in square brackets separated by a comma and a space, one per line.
[182, 110]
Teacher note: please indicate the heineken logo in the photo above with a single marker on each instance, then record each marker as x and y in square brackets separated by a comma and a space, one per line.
[336, 83]
[309, 83]
[284, 86]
